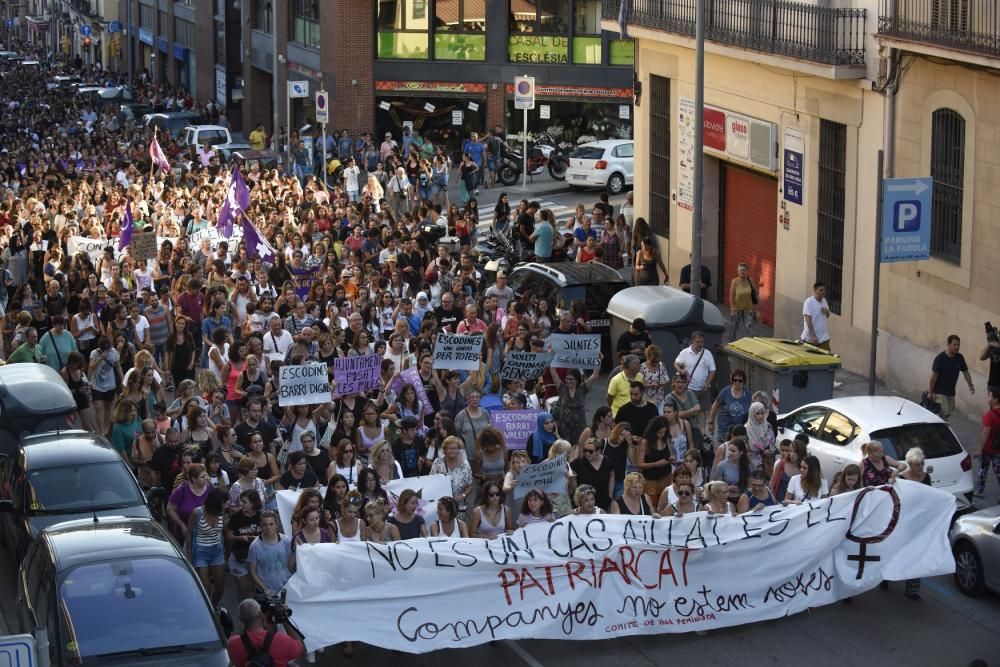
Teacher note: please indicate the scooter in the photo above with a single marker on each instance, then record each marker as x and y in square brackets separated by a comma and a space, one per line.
[497, 251]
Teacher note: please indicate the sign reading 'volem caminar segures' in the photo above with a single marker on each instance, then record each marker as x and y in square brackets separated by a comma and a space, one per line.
[303, 385]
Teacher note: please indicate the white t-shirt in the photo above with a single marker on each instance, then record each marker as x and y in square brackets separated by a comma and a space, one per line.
[351, 178]
[798, 493]
[814, 309]
[688, 359]
[140, 328]
[276, 346]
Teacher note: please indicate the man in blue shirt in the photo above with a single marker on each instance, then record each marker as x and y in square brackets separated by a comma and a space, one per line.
[476, 151]
[543, 236]
[345, 145]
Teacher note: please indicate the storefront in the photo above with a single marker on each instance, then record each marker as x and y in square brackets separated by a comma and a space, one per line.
[573, 115]
[146, 48]
[304, 108]
[444, 113]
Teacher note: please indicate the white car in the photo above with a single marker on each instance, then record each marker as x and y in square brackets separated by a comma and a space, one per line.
[838, 427]
[602, 164]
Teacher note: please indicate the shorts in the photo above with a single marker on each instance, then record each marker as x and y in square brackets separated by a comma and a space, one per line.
[237, 568]
[210, 555]
[106, 396]
[491, 164]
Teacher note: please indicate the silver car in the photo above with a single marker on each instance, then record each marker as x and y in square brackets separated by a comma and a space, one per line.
[975, 541]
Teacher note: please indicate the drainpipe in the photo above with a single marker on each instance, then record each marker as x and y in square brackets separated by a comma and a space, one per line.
[890, 117]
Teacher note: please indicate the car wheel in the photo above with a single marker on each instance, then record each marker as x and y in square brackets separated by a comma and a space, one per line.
[616, 184]
[969, 570]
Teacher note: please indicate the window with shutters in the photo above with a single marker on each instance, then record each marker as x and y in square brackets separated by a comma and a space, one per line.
[659, 155]
[830, 213]
[948, 172]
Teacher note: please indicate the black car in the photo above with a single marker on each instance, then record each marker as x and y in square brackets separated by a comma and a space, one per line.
[116, 591]
[59, 476]
[562, 283]
[33, 399]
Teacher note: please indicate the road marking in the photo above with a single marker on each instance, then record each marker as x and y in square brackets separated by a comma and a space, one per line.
[521, 653]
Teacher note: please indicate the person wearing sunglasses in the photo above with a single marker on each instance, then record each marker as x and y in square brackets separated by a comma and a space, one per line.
[596, 471]
[491, 518]
[686, 503]
[731, 407]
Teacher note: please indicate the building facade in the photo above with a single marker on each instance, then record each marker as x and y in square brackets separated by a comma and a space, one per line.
[799, 99]
[444, 67]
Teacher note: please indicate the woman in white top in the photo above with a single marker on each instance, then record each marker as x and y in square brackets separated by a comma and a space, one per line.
[218, 353]
[83, 326]
[808, 484]
[344, 461]
[348, 526]
[491, 518]
[585, 498]
[448, 523]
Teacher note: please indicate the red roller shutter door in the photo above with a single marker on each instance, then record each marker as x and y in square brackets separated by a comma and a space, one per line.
[750, 220]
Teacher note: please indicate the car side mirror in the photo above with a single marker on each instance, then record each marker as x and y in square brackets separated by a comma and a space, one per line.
[6, 507]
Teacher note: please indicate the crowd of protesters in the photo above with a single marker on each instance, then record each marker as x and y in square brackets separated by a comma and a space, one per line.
[176, 359]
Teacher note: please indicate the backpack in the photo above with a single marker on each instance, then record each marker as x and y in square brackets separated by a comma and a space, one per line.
[258, 657]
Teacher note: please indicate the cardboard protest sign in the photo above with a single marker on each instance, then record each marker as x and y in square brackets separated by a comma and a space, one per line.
[458, 352]
[598, 577]
[524, 365]
[516, 425]
[548, 476]
[581, 351]
[355, 375]
[307, 384]
[143, 246]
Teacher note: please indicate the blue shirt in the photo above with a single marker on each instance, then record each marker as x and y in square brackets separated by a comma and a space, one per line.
[543, 240]
[582, 234]
[475, 151]
[732, 411]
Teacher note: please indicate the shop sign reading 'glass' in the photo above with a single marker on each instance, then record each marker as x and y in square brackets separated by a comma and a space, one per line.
[538, 49]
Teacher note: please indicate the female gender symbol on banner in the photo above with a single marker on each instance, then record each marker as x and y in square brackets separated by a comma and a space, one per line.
[862, 556]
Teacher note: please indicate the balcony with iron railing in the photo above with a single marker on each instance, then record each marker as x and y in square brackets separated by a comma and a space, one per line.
[963, 25]
[823, 35]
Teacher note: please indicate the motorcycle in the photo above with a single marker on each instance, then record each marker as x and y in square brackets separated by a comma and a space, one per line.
[543, 153]
[497, 250]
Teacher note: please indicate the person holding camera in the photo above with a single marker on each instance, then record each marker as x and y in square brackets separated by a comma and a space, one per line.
[261, 638]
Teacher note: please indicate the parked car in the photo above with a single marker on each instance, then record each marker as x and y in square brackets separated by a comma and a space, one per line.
[61, 475]
[837, 428]
[172, 121]
[226, 151]
[563, 283]
[266, 159]
[975, 541]
[133, 111]
[116, 591]
[602, 164]
[62, 81]
[33, 399]
[196, 135]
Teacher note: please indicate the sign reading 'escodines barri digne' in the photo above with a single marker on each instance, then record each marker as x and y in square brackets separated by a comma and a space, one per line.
[303, 385]
[575, 350]
[596, 577]
[524, 365]
[355, 375]
[461, 353]
[548, 476]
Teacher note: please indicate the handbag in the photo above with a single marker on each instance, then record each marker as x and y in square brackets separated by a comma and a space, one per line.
[753, 293]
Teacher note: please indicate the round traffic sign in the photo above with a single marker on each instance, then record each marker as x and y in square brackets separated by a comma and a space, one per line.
[86, 30]
[523, 87]
[321, 101]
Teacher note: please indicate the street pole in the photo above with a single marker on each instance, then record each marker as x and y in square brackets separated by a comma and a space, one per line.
[524, 156]
[274, 83]
[323, 164]
[288, 128]
[699, 151]
[130, 55]
[877, 276]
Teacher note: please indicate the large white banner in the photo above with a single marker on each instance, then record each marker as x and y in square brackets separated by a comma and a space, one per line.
[595, 577]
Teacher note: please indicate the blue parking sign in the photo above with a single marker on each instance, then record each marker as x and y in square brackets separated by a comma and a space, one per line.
[906, 219]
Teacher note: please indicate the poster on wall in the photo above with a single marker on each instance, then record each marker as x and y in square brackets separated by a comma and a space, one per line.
[685, 153]
[791, 174]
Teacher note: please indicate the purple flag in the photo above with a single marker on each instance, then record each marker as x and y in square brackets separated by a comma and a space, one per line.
[257, 245]
[237, 200]
[128, 225]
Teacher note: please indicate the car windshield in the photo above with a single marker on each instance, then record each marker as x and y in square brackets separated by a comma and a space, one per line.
[82, 488]
[588, 153]
[936, 440]
[126, 605]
